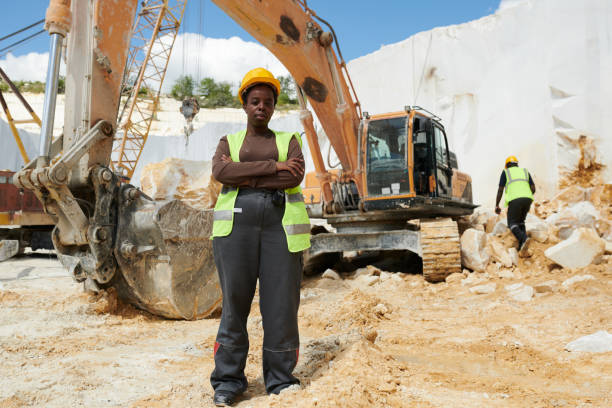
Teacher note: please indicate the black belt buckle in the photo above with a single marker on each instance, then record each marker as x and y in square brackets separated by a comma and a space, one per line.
[278, 198]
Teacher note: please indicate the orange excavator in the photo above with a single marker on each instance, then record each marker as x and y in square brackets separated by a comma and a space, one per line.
[396, 168]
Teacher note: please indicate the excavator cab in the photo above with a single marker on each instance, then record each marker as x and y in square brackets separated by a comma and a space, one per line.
[407, 160]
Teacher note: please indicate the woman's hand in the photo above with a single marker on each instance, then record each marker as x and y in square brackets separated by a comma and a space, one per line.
[226, 159]
[294, 165]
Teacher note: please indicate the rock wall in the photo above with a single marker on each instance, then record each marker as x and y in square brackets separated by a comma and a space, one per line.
[527, 81]
[203, 142]
[10, 157]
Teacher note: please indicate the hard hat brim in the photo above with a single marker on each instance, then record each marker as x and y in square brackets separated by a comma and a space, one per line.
[273, 82]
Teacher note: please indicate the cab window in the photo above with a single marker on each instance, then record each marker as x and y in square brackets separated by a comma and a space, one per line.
[441, 150]
[387, 171]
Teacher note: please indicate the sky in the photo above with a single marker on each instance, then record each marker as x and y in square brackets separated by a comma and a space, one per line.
[210, 44]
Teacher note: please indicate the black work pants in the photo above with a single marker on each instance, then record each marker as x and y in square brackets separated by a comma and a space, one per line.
[257, 249]
[517, 212]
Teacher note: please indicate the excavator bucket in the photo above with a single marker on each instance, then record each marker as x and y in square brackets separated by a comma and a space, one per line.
[160, 258]
[165, 259]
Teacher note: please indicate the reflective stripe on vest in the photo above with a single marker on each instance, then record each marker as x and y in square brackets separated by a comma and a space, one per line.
[294, 198]
[517, 184]
[295, 218]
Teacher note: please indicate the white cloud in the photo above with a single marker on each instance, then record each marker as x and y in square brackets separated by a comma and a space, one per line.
[507, 4]
[27, 67]
[223, 59]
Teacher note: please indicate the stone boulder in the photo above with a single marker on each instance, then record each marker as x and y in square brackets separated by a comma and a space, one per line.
[474, 253]
[500, 227]
[484, 289]
[331, 274]
[537, 228]
[482, 218]
[582, 214]
[568, 283]
[186, 180]
[600, 195]
[499, 252]
[582, 248]
[604, 229]
[546, 287]
[520, 292]
[600, 342]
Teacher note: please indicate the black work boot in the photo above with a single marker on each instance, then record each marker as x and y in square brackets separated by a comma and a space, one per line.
[224, 398]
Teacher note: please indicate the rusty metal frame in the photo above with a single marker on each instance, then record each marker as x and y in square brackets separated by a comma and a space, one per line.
[11, 121]
[153, 37]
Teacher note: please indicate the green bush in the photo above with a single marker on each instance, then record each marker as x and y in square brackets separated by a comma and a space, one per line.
[287, 97]
[216, 94]
[182, 88]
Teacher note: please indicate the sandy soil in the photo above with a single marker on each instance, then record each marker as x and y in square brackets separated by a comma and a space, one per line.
[400, 342]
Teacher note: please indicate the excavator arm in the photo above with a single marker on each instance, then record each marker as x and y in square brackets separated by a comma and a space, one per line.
[289, 29]
[109, 234]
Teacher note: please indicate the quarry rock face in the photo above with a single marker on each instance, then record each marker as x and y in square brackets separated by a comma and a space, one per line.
[474, 253]
[582, 248]
[564, 69]
[571, 194]
[186, 180]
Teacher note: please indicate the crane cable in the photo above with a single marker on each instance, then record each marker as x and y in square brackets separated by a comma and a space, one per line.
[22, 30]
[199, 42]
[416, 95]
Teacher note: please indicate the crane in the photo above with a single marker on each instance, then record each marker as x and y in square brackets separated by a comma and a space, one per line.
[153, 37]
[396, 167]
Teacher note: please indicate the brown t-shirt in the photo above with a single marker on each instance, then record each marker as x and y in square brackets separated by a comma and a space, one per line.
[257, 166]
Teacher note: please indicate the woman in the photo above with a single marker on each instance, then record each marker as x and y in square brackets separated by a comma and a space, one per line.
[260, 229]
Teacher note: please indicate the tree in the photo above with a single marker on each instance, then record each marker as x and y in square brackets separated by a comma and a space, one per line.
[288, 93]
[61, 85]
[216, 94]
[182, 88]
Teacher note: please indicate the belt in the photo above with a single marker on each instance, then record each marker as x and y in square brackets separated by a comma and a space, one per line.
[251, 190]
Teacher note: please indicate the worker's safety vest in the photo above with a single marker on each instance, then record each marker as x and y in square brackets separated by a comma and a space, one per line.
[295, 219]
[517, 184]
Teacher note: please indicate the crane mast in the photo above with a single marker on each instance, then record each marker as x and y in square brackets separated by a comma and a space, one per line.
[153, 38]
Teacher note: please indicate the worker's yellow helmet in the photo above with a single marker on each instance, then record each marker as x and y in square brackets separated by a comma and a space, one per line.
[511, 159]
[258, 76]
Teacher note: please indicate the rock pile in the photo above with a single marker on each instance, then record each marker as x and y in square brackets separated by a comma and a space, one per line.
[574, 228]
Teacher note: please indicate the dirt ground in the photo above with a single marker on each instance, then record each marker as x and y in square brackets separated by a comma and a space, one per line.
[388, 341]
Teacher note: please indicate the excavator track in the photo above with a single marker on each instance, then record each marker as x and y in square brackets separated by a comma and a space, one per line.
[441, 248]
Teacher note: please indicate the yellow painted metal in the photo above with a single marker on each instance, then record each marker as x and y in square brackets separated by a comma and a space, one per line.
[153, 37]
[12, 122]
[15, 132]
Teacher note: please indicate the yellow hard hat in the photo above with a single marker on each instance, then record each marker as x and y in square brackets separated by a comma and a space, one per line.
[258, 76]
[511, 159]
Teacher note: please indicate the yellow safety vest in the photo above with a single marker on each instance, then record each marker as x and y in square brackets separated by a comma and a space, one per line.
[517, 184]
[295, 219]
